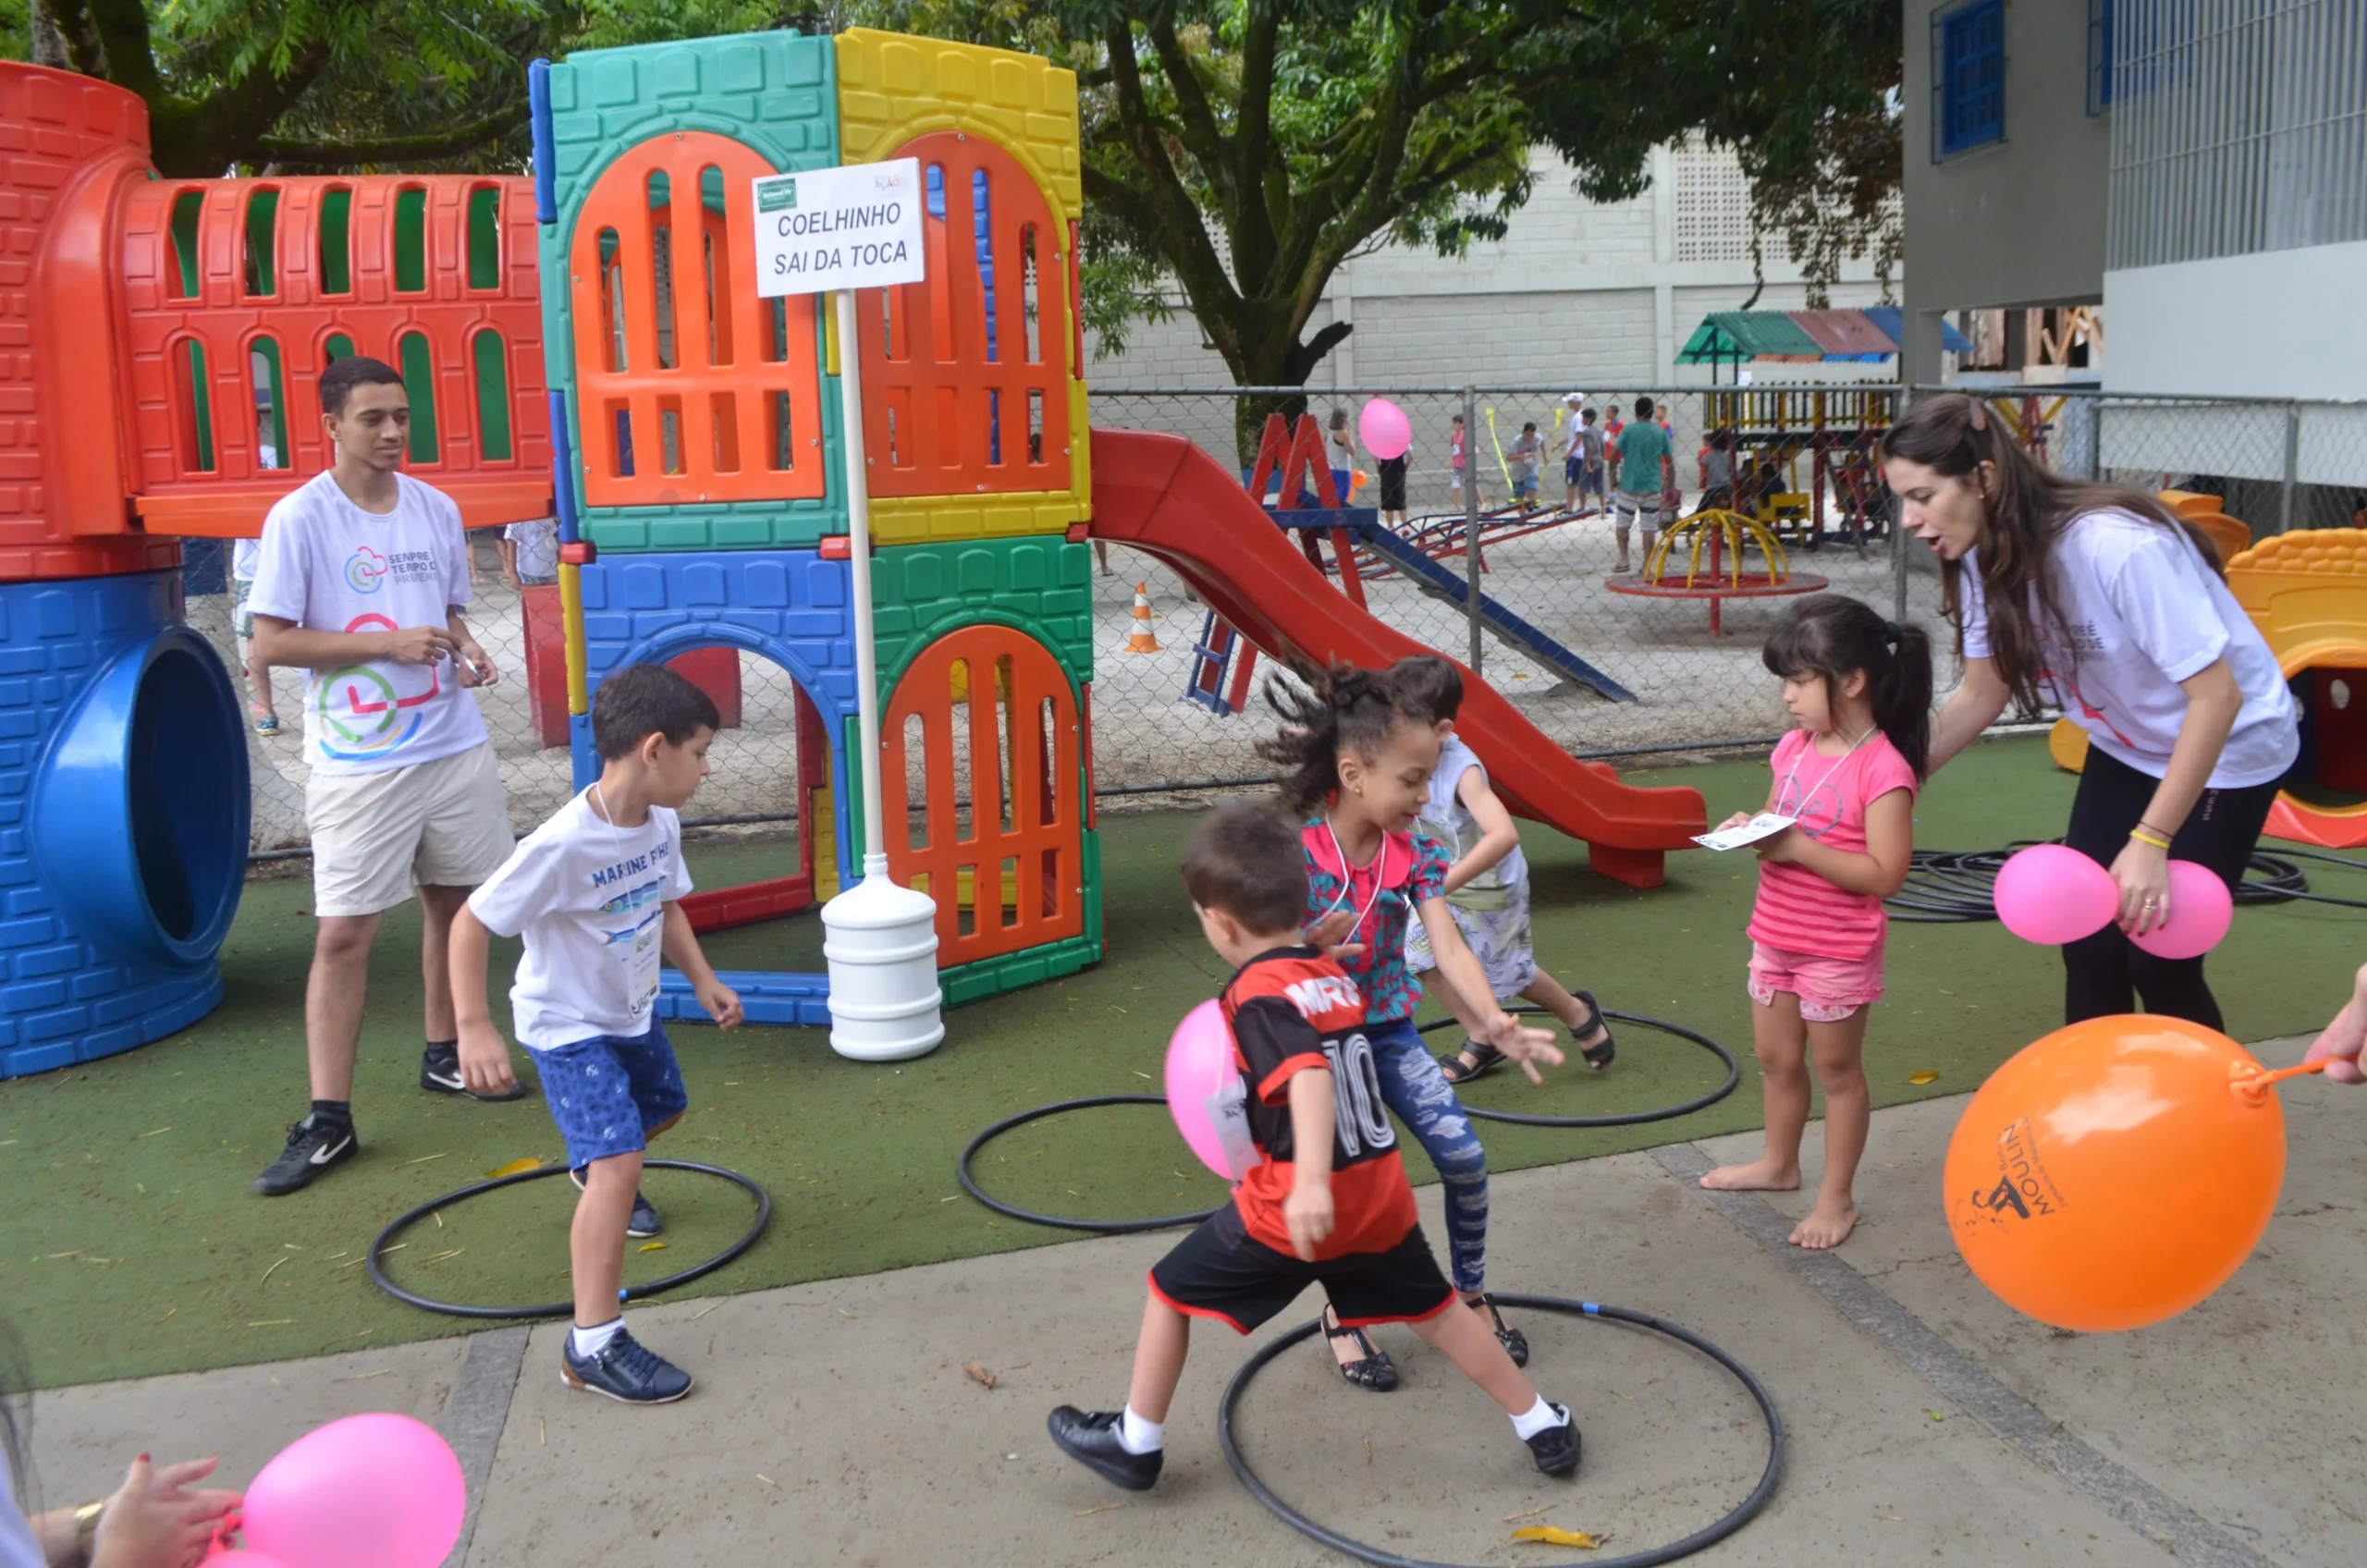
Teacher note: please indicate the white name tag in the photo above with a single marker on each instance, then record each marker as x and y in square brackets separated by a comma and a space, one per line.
[642, 962]
[1228, 1111]
[1766, 824]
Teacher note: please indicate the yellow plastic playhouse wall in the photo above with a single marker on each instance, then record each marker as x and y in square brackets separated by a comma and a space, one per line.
[894, 88]
[2307, 592]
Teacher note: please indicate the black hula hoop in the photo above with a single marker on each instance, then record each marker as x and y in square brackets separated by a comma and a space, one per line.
[1742, 1514]
[1629, 1119]
[566, 1308]
[1099, 1227]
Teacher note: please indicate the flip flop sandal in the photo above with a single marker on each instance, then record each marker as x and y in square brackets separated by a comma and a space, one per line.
[1485, 1059]
[1598, 1057]
[1373, 1369]
[1515, 1344]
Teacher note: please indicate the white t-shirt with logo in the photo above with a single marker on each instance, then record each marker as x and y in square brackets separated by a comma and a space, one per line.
[2144, 613]
[326, 564]
[590, 899]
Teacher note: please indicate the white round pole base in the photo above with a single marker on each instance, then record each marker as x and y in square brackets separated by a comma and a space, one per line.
[880, 941]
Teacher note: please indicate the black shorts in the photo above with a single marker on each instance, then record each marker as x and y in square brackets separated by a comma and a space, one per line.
[1220, 1270]
[1392, 486]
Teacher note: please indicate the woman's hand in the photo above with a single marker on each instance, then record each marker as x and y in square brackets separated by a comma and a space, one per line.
[1734, 821]
[2338, 1044]
[2144, 872]
[156, 1521]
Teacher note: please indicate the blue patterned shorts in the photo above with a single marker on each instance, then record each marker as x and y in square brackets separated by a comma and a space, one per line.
[612, 1093]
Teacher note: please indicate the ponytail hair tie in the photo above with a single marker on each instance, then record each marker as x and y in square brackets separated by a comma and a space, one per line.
[1980, 420]
[1892, 632]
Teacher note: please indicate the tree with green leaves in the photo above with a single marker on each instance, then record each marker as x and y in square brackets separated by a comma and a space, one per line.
[1241, 152]
[319, 85]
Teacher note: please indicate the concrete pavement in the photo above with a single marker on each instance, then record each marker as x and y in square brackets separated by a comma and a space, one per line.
[835, 1422]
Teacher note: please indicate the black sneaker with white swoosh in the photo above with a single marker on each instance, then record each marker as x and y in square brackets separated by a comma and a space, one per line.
[313, 1146]
[439, 1073]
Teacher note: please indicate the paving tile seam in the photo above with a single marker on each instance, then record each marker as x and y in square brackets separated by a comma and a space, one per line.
[2122, 1493]
[477, 1411]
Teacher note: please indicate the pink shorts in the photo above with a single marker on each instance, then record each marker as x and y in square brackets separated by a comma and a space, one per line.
[1830, 988]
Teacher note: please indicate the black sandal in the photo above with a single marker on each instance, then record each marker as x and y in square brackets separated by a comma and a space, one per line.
[1597, 1056]
[1373, 1369]
[1515, 1344]
[1485, 1059]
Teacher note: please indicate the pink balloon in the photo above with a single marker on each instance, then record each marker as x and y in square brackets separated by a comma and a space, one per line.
[1385, 429]
[2051, 894]
[370, 1491]
[2201, 911]
[242, 1558]
[1200, 1060]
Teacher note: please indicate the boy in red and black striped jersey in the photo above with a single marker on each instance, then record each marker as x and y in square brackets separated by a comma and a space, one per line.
[1328, 1201]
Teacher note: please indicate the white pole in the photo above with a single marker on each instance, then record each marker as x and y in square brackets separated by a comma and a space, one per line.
[880, 939]
[866, 657]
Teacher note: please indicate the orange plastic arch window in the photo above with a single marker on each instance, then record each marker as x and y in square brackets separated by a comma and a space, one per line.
[690, 388]
[965, 374]
[983, 731]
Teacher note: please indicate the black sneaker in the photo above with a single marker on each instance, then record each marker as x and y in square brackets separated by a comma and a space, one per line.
[1092, 1441]
[313, 1146]
[439, 1073]
[1556, 1448]
[625, 1370]
[645, 1221]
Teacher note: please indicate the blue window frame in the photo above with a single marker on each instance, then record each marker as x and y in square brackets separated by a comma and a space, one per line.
[1968, 78]
[2099, 56]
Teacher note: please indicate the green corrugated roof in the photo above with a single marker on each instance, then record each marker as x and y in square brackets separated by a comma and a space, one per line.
[1725, 336]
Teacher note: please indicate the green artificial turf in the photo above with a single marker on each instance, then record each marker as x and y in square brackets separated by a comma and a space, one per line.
[131, 1242]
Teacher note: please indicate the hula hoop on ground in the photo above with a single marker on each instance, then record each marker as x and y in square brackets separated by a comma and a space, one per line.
[1099, 1227]
[1627, 1118]
[1741, 1516]
[563, 1309]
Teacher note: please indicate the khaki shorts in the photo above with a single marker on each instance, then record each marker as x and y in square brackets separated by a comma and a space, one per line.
[377, 836]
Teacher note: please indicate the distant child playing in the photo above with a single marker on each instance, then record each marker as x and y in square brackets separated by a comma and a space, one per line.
[1859, 689]
[1328, 1202]
[1358, 765]
[1526, 452]
[1487, 886]
[596, 893]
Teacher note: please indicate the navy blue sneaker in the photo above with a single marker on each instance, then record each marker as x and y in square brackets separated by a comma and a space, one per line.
[1556, 1448]
[643, 1221]
[625, 1370]
[1092, 1441]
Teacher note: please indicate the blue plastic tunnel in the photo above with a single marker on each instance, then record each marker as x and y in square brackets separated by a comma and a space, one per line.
[124, 815]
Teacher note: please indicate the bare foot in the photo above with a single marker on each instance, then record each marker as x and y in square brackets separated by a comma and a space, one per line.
[1828, 1225]
[1760, 1176]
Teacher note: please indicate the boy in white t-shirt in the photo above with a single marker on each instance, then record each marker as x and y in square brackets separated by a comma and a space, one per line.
[245, 555]
[530, 553]
[596, 893]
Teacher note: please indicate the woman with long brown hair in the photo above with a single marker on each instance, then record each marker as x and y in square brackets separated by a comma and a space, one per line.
[2095, 599]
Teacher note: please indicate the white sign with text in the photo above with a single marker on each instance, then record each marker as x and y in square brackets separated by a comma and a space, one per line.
[857, 226]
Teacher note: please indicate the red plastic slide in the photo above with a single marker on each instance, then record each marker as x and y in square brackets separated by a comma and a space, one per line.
[1164, 495]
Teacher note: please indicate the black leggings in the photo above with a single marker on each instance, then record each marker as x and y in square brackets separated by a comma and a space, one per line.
[2105, 972]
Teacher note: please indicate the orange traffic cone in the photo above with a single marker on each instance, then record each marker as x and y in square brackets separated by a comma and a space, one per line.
[1141, 641]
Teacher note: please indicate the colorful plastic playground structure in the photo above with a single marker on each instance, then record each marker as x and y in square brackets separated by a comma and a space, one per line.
[588, 346]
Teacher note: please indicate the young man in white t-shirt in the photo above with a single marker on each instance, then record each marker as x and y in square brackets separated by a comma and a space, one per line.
[530, 553]
[596, 893]
[361, 577]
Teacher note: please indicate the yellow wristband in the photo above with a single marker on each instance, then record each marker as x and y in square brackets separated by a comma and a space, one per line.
[2144, 838]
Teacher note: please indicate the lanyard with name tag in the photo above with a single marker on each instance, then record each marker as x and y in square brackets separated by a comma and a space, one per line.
[1228, 1112]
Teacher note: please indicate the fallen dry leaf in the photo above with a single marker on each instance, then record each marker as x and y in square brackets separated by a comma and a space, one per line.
[980, 1376]
[1547, 1535]
[1926, 1076]
[515, 1167]
[653, 1246]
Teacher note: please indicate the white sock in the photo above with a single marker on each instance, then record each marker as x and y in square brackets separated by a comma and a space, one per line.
[1138, 1436]
[591, 1342]
[1539, 1417]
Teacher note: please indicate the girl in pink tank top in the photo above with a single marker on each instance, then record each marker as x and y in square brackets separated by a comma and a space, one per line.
[1859, 689]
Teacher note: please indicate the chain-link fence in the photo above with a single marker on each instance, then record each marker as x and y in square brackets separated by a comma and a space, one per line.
[1602, 659]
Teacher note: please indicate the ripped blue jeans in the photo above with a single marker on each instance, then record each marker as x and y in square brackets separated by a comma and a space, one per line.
[1423, 1099]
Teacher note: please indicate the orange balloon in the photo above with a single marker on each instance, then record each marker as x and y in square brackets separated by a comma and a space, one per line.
[2112, 1175]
